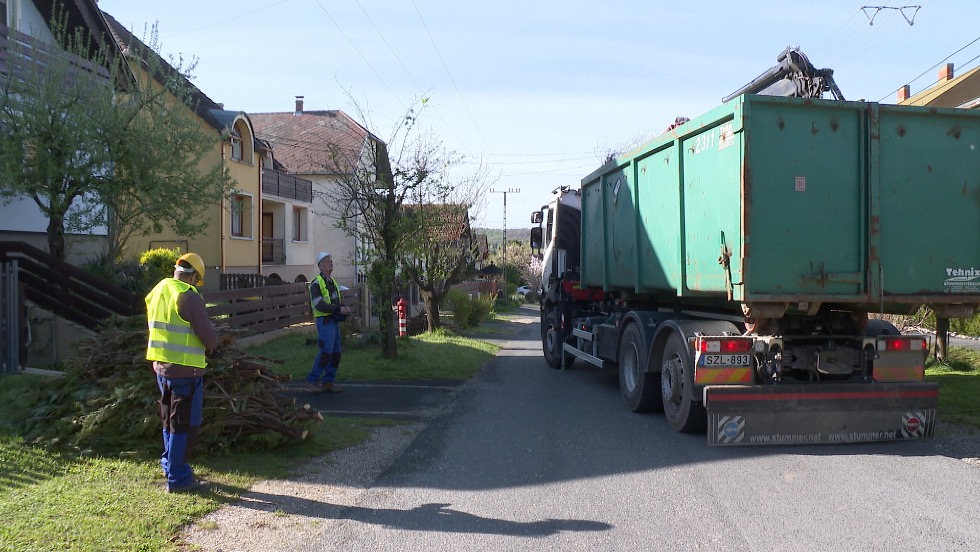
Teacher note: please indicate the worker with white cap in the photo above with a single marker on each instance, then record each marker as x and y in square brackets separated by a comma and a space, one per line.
[327, 312]
[180, 334]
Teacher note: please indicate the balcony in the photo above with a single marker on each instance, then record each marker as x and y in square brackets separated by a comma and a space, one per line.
[19, 52]
[280, 184]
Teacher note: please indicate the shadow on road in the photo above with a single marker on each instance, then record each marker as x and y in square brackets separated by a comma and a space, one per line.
[426, 517]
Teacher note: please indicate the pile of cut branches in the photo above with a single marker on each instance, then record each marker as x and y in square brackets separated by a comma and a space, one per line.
[107, 399]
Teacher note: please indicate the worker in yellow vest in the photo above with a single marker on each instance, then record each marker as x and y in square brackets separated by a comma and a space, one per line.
[327, 312]
[181, 333]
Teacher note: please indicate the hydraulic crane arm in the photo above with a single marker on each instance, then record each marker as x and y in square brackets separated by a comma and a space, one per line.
[793, 76]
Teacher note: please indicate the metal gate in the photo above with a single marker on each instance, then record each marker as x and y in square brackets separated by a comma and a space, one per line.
[9, 318]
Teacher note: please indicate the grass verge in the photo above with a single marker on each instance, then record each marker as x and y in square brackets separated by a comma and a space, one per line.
[431, 356]
[959, 386]
[51, 500]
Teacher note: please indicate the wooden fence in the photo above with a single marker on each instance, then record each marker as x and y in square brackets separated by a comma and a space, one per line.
[263, 309]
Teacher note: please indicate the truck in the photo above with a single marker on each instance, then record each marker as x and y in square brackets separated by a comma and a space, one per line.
[734, 269]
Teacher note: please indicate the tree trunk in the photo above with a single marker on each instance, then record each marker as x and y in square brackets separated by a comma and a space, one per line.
[389, 346]
[56, 237]
[431, 310]
[942, 339]
[383, 274]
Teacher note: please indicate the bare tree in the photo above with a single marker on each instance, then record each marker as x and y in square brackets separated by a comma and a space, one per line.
[443, 248]
[367, 202]
[441, 253]
[412, 206]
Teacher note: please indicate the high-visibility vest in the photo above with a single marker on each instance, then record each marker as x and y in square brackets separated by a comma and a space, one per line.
[172, 339]
[323, 293]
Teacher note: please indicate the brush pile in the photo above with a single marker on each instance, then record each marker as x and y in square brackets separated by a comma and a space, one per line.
[107, 400]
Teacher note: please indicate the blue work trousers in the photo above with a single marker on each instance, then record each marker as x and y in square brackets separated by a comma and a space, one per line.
[327, 360]
[181, 410]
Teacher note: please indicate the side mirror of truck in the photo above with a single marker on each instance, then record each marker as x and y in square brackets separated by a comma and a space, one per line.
[535, 239]
[537, 217]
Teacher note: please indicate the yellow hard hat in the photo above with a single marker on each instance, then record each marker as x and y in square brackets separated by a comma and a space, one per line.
[196, 262]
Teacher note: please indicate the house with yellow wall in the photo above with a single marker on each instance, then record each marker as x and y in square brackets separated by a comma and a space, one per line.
[231, 244]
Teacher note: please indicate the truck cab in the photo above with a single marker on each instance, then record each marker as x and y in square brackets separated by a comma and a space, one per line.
[557, 233]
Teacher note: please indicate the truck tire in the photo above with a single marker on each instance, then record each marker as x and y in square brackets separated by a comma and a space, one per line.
[551, 342]
[683, 412]
[640, 389]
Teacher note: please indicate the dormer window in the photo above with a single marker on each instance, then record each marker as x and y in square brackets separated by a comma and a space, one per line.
[236, 145]
[240, 136]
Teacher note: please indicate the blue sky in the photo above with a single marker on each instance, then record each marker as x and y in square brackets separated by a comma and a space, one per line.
[540, 91]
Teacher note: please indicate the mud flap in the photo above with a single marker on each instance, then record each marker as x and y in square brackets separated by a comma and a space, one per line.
[820, 413]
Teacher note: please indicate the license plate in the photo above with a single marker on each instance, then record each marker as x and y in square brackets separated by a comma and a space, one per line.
[725, 360]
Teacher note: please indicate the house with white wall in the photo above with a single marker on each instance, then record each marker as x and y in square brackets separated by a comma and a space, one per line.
[324, 147]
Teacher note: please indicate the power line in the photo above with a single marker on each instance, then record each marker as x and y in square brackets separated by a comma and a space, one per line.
[407, 72]
[451, 79]
[950, 82]
[862, 40]
[314, 146]
[368, 63]
[933, 67]
[841, 41]
[894, 26]
[390, 49]
[223, 21]
[848, 20]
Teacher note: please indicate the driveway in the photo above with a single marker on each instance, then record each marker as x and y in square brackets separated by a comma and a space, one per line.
[407, 400]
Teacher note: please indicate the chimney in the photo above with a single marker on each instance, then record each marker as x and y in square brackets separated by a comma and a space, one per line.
[904, 93]
[299, 105]
[946, 73]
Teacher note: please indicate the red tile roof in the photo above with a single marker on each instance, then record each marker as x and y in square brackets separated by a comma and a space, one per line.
[312, 142]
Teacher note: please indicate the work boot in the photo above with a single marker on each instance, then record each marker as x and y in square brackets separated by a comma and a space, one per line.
[331, 387]
[313, 387]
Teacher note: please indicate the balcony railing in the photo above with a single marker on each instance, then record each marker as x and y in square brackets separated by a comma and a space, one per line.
[285, 185]
[273, 251]
[18, 51]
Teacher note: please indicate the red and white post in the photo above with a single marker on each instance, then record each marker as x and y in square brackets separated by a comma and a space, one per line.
[402, 317]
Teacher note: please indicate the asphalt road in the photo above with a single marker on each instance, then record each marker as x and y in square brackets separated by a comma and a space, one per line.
[528, 458]
[968, 342]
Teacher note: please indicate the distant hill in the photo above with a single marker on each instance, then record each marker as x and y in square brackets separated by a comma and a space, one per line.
[495, 235]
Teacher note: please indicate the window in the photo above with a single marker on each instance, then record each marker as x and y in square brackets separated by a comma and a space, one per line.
[241, 143]
[299, 224]
[3, 12]
[241, 216]
[236, 148]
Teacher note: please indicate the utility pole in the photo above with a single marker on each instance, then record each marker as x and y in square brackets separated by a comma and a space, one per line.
[505, 192]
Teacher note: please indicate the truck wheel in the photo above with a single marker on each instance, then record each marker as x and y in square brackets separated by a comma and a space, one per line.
[682, 411]
[637, 386]
[551, 340]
